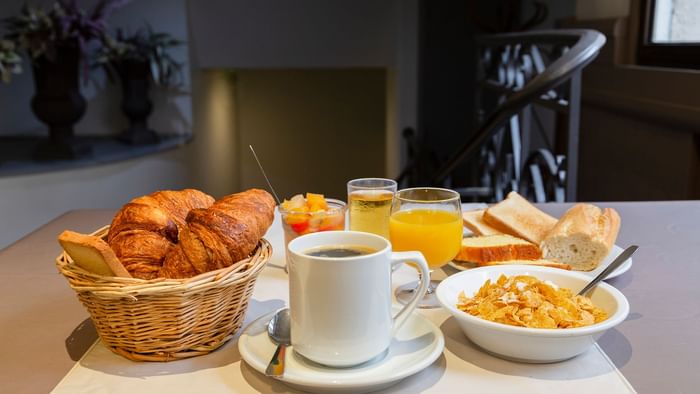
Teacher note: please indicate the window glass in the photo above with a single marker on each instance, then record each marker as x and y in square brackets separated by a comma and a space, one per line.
[676, 21]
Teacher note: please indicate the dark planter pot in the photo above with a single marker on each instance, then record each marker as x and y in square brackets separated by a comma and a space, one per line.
[135, 77]
[59, 104]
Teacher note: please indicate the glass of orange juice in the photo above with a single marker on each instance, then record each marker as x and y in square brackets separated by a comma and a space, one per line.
[428, 220]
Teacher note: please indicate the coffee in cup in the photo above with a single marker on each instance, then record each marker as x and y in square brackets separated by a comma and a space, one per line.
[340, 296]
[339, 251]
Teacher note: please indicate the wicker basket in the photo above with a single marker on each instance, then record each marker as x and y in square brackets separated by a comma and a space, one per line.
[167, 319]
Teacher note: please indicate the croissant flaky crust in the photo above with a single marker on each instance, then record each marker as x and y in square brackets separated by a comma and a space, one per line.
[220, 235]
[147, 227]
[179, 234]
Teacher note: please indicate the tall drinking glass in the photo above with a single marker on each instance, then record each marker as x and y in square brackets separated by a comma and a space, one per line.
[428, 220]
[370, 204]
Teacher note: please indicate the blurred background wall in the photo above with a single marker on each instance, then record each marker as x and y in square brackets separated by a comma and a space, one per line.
[325, 89]
[321, 89]
[27, 201]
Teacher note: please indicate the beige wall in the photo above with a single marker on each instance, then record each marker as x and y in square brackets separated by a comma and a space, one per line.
[639, 125]
[312, 34]
[631, 158]
[313, 130]
[27, 202]
[595, 9]
[213, 153]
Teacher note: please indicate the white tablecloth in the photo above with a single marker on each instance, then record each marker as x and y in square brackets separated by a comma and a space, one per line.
[462, 367]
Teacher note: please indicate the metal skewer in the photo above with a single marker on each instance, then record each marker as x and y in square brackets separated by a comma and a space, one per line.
[263, 172]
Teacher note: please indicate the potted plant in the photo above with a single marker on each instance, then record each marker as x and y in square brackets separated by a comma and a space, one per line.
[57, 40]
[138, 60]
[10, 61]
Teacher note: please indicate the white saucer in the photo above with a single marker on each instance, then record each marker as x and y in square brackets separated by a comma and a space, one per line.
[416, 346]
[614, 252]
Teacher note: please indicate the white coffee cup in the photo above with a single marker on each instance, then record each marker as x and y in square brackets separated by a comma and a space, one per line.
[341, 306]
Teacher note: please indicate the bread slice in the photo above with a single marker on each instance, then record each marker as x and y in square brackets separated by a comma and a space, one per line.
[516, 216]
[92, 254]
[539, 262]
[583, 236]
[499, 247]
[474, 221]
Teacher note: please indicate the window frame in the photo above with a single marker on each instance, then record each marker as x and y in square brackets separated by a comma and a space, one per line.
[676, 55]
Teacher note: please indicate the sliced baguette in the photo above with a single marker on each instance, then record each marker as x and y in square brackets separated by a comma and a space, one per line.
[482, 249]
[474, 221]
[92, 254]
[516, 216]
[583, 236]
[540, 262]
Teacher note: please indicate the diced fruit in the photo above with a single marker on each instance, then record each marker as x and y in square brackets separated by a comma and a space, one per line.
[311, 214]
[300, 227]
[315, 220]
[312, 203]
[295, 218]
[316, 202]
[296, 203]
[332, 222]
[316, 208]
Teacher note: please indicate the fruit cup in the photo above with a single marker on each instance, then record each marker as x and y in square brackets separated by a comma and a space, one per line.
[311, 214]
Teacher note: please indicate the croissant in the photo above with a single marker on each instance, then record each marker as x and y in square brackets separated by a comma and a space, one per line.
[218, 236]
[147, 227]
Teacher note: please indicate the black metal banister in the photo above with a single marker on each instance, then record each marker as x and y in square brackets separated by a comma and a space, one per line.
[583, 47]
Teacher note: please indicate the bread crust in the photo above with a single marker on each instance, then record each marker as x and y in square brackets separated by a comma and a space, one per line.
[218, 236]
[145, 229]
[539, 262]
[585, 223]
[600, 225]
[109, 263]
[516, 216]
[483, 249]
[474, 221]
[177, 234]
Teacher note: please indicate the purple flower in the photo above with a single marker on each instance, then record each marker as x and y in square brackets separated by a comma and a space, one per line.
[42, 32]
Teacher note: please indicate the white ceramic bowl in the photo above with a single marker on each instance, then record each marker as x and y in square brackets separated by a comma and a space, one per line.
[534, 345]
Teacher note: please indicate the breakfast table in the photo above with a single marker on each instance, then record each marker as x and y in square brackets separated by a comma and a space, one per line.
[48, 336]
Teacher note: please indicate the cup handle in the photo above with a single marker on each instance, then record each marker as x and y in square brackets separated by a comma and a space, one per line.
[416, 258]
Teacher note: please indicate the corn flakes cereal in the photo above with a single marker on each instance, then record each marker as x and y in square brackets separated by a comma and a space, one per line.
[525, 301]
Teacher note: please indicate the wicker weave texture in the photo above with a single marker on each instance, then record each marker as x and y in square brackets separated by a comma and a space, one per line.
[167, 319]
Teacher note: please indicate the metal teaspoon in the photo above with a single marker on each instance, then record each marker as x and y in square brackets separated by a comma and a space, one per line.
[278, 330]
[626, 254]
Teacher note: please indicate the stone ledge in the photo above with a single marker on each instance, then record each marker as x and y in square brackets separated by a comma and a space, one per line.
[16, 153]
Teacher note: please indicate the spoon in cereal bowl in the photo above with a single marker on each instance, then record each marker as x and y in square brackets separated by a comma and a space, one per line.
[621, 258]
[535, 343]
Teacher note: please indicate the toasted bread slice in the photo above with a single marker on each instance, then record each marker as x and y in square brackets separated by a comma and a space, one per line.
[92, 254]
[583, 237]
[499, 247]
[474, 221]
[540, 262]
[516, 216]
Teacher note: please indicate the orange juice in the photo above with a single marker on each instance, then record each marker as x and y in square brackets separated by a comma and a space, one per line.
[435, 233]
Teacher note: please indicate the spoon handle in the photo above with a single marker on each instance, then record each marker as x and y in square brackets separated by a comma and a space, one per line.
[626, 254]
[276, 365]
